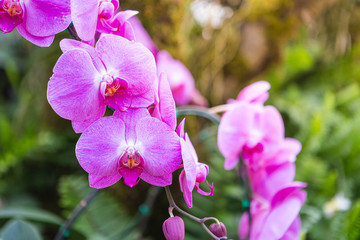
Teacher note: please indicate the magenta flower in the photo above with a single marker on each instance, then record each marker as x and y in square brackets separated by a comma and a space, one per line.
[36, 20]
[116, 73]
[181, 81]
[164, 107]
[91, 16]
[276, 218]
[129, 145]
[194, 172]
[249, 131]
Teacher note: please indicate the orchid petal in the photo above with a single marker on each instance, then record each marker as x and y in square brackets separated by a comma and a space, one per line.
[46, 17]
[73, 90]
[161, 151]
[101, 146]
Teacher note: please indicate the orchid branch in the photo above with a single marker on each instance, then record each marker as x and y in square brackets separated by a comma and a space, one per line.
[75, 214]
[198, 111]
[73, 33]
[172, 205]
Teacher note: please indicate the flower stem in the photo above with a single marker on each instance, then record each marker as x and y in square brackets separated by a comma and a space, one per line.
[202, 221]
[73, 32]
[75, 214]
[198, 111]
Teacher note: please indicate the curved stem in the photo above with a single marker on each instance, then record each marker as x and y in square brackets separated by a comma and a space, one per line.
[198, 111]
[75, 214]
[73, 32]
[196, 219]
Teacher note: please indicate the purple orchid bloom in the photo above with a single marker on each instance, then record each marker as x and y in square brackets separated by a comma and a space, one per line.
[260, 132]
[275, 218]
[92, 16]
[164, 107]
[36, 20]
[116, 73]
[194, 172]
[129, 145]
[181, 81]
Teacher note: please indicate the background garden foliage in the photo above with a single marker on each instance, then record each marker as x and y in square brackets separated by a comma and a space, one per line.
[308, 50]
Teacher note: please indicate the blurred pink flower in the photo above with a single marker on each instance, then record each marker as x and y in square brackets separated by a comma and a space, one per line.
[249, 131]
[99, 16]
[275, 218]
[36, 20]
[131, 145]
[116, 73]
[181, 81]
[194, 172]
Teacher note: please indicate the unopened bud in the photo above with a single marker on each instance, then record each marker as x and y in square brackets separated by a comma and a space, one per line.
[218, 229]
[174, 228]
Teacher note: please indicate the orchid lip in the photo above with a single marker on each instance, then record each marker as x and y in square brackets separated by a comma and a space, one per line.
[111, 85]
[12, 7]
[131, 165]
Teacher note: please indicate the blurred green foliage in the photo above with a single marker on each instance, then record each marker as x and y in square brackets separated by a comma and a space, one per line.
[308, 50]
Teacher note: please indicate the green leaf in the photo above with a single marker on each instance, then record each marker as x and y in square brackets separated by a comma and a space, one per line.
[103, 218]
[20, 230]
[30, 214]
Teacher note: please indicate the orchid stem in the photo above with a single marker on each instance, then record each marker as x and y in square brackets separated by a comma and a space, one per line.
[198, 111]
[73, 32]
[75, 214]
[202, 221]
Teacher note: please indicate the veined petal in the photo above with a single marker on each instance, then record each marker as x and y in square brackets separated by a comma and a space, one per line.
[160, 181]
[130, 118]
[127, 60]
[158, 145]
[70, 44]
[166, 102]
[73, 90]
[101, 146]
[46, 17]
[189, 164]
[103, 181]
[84, 15]
[39, 41]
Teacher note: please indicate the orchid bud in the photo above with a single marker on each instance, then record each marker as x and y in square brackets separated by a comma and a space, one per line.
[174, 228]
[218, 229]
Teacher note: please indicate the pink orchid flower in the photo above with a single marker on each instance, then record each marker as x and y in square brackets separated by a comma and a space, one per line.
[249, 131]
[129, 145]
[92, 16]
[164, 107]
[181, 81]
[276, 218]
[194, 172]
[116, 73]
[36, 20]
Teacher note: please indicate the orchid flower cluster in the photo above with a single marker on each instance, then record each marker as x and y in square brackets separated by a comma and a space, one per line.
[113, 64]
[269, 159]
